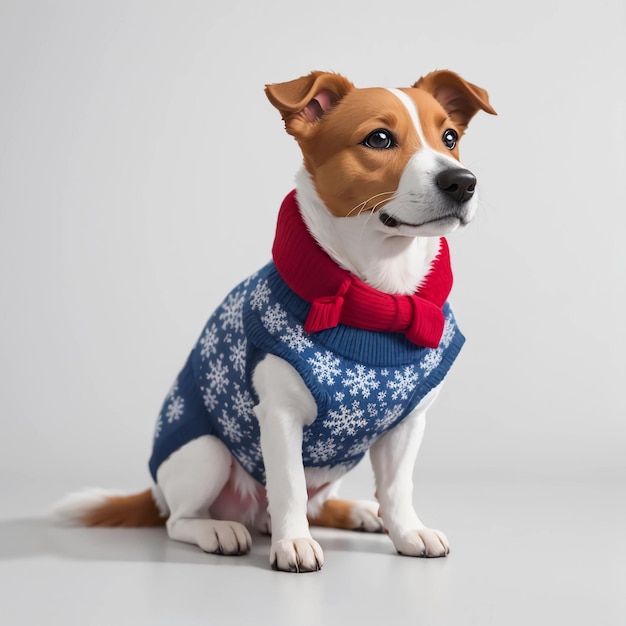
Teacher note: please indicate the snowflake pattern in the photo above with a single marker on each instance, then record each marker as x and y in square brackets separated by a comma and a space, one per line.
[362, 445]
[274, 318]
[322, 451]
[403, 383]
[175, 409]
[345, 419]
[296, 339]
[448, 331]
[357, 402]
[209, 397]
[230, 426]
[237, 355]
[231, 314]
[250, 458]
[260, 296]
[431, 362]
[209, 341]
[218, 375]
[390, 417]
[361, 380]
[242, 404]
[325, 367]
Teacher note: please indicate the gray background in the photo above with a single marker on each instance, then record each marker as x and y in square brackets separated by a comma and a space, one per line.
[141, 170]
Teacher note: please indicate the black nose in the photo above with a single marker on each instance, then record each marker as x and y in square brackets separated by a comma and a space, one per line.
[458, 183]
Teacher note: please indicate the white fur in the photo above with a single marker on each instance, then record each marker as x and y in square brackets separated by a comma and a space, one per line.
[191, 481]
[72, 508]
[393, 458]
[415, 118]
[283, 411]
[362, 245]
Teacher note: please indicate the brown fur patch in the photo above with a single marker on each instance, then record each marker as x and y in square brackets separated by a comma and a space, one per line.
[335, 514]
[128, 511]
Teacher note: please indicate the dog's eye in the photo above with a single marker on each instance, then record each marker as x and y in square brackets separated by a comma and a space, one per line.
[379, 139]
[449, 139]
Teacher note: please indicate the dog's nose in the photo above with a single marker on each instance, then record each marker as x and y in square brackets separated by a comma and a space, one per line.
[458, 183]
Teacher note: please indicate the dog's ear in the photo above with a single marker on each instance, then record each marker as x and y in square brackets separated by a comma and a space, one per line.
[304, 101]
[460, 99]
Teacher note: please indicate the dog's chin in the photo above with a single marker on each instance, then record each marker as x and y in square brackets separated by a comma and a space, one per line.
[432, 228]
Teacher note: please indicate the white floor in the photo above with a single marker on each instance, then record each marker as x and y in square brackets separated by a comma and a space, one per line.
[531, 550]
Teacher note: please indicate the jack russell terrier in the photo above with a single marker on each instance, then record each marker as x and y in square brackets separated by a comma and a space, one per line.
[338, 346]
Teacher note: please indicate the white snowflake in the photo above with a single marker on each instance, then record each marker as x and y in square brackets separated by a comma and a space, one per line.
[325, 367]
[448, 332]
[260, 296]
[346, 419]
[231, 426]
[175, 409]
[249, 457]
[431, 361]
[404, 382]
[381, 397]
[209, 342]
[323, 450]
[390, 417]
[218, 375]
[274, 318]
[232, 312]
[361, 446]
[295, 338]
[237, 356]
[361, 380]
[372, 409]
[339, 396]
[243, 404]
[210, 398]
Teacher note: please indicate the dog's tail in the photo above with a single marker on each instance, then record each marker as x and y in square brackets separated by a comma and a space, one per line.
[97, 507]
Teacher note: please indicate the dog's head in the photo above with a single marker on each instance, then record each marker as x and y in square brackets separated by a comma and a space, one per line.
[393, 152]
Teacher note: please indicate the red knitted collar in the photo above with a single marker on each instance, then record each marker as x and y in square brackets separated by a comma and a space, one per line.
[339, 297]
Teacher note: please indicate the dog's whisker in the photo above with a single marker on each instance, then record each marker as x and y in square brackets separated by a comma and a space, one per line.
[353, 209]
[366, 222]
[361, 206]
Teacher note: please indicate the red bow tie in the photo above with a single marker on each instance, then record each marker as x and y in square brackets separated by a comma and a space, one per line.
[339, 297]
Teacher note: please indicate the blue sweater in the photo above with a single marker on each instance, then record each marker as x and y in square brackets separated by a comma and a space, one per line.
[363, 382]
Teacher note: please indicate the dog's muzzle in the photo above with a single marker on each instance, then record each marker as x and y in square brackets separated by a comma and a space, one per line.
[457, 185]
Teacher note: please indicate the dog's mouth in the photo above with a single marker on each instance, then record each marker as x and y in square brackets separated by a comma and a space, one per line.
[445, 221]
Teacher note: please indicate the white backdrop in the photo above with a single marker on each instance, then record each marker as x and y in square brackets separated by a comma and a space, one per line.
[141, 170]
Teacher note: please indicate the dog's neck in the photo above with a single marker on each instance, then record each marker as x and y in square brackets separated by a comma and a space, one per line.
[393, 264]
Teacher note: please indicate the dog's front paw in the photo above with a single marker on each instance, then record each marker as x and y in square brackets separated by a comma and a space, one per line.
[221, 537]
[424, 542]
[296, 555]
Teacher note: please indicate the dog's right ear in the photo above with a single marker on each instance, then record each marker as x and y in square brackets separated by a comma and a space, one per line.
[304, 101]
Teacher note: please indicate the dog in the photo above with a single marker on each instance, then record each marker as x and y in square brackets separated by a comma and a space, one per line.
[336, 347]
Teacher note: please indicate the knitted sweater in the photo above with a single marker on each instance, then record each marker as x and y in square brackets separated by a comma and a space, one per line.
[363, 382]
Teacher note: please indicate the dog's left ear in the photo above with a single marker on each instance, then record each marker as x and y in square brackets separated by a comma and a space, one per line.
[460, 99]
[304, 101]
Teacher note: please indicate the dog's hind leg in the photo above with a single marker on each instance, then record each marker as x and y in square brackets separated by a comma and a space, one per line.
[325, 509]
[191, 480]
